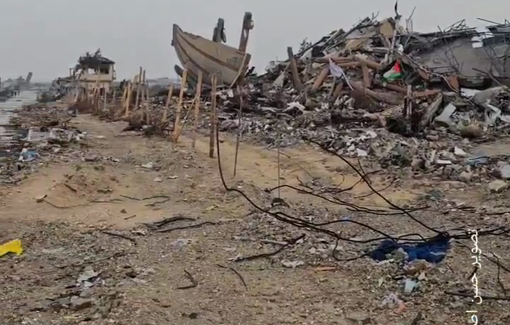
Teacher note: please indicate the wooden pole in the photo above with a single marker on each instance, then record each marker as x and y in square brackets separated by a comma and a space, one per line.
[240, 119]
[179, 104]
[147, 89]
[319, 80]
[137, 100]
[185, 119]
[278, 163]
[142, 94]
[147, 110]
[293, 68]
[96, 90]
[129, 94]
[197, 108]
[168, 100]
[367, 82]
[104, 99]
[97, 100]
[213, 117]
[124, 94]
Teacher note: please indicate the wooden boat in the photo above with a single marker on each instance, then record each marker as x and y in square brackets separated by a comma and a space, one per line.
[199, 54]
[190, 79]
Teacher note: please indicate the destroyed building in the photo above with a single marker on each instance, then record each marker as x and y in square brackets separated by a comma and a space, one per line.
[94, 71]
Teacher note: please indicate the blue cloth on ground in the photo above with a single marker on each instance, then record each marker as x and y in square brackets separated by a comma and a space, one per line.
[433, 251]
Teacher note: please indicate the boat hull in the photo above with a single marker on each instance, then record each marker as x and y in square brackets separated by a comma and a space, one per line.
[199, 54]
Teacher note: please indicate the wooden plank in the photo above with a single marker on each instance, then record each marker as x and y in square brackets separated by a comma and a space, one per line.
[293, 68]
[367, 82]
[320, 78]
[380, 96]
[338, 89]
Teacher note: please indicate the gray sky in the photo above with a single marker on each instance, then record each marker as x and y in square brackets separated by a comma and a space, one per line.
[47, 36]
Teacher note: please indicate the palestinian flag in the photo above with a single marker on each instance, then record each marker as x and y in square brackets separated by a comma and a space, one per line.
[394, 73]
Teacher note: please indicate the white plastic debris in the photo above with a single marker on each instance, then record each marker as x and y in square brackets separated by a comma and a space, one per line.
[459, 152]
[148, 165]
[292, 264]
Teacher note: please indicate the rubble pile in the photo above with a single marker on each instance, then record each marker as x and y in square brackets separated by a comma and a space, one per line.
[378, 91]
[368, 79]
[41, 115]
[45, 137]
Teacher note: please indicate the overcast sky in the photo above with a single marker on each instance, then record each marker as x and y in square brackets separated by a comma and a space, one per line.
[47, 36]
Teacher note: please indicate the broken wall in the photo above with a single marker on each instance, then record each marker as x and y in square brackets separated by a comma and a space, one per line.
[461, 51]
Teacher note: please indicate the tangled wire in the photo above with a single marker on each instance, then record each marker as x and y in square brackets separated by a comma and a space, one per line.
[440, 236]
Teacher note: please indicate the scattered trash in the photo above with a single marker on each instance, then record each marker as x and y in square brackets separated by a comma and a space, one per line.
[504, 171]
[28, 155]
[498, 186]
[409, 286]
[87, 278]
[78, 303]
[392, 301]
[148, 165]
[13, 246]
[432, 251]
[181, 242]
[292, 264]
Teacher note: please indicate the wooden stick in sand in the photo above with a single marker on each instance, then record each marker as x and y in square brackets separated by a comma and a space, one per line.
[197, 108]
[142, 94]
[147, 110]
[129, 94]
[124, 94]
[213, 117]
[138, 88]
[240, 119]
[179, 105]
[96, 101]
[185, 118]
[96, 92]
[104, 99]
[168, 100]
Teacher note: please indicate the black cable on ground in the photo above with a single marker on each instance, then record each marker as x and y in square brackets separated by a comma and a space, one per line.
[301, 223]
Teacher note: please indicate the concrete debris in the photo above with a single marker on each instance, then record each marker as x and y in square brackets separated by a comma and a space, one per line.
[148, 165]
[498, 186]
[78, 303]
[45, 136]
[292, 264]
[386, 100]
[504, 171]
[421, 106]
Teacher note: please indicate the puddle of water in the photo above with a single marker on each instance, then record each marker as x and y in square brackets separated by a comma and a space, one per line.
[9, 133]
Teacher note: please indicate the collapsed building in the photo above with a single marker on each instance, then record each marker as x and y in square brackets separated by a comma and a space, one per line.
[379, 66]
[92, 73]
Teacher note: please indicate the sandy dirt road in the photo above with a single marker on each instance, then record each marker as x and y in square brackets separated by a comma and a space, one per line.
[187, 276]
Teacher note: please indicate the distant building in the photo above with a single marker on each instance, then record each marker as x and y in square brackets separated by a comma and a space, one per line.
[94, 71]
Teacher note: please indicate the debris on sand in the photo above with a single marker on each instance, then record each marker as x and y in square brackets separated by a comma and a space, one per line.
[395, 97]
